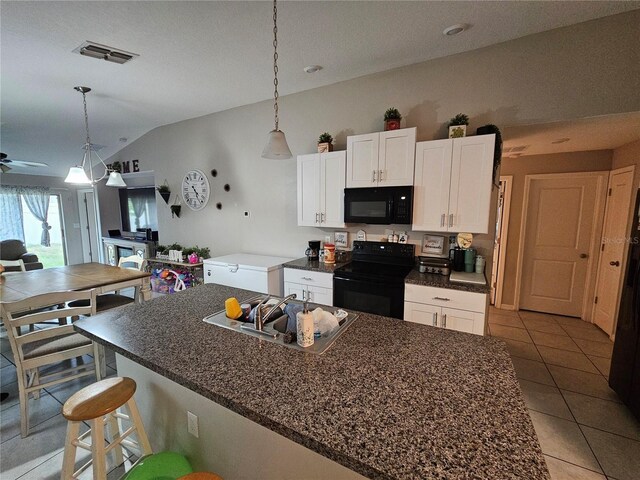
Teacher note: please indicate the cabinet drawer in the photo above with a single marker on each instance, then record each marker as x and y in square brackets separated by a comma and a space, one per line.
[306, 277]
[443, 297]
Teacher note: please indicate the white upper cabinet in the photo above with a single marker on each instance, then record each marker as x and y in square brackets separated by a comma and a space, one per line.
[453, 185]
[383, 159]
[321, 181]
[471, 182]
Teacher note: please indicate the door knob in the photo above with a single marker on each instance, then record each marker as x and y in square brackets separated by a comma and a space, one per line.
[615, 264]
[584, 255]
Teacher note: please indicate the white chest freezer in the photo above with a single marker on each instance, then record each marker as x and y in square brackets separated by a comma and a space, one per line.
[259, 273]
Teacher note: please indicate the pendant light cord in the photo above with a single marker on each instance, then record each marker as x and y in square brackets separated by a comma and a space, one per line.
[275, 63]
[86, 118]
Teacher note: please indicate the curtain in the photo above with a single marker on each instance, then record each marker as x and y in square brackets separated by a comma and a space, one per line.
[37, 200]
[11, 226]
[138, 202]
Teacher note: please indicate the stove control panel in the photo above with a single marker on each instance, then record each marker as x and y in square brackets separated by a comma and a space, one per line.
[384, 249]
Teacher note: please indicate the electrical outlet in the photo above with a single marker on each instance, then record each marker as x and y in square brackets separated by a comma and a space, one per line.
[246, 214]
[192, 424]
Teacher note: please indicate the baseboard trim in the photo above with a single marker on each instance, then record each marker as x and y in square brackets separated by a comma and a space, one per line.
[504, 306]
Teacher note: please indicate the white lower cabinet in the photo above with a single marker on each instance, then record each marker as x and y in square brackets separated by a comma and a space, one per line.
[315, 287]
[444, 308]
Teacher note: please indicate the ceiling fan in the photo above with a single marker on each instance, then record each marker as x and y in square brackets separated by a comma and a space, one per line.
[5, 162]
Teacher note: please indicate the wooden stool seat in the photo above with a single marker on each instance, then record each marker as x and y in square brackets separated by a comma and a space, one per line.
[98, 399]
[201, 476]
[102, 404]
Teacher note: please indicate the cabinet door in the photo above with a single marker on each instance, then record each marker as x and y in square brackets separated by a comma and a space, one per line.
[462, 321]
[362, 160]
[320, 295]
[421, 313]
[471, 181]
[397, 157]
[431, 188]
[296, 288]
[333, 171]
[309, 190]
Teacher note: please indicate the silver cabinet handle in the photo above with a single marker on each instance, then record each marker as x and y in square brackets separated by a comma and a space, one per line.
[442, 298]
[380, 175]
[309, 279]
[317, 217]
[233, 268]
[303, 295]
[373, 178]
[444, 320]
[308, 295]
[435, 319]
[451, 219]
[322, 220]
[442, 220]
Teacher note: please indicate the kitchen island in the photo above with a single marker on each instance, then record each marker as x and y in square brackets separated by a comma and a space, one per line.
[390, 399]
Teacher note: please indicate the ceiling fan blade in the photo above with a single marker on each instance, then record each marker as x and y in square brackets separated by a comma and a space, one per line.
[4, 168]
[22, 163]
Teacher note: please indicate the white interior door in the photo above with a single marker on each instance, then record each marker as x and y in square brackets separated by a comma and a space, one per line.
[558, 233]
[309, 190]
[88, 226]
[611, 267]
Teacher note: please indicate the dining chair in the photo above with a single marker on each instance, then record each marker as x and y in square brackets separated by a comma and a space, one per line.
[112, 300]
[13, 265]
[50, 346]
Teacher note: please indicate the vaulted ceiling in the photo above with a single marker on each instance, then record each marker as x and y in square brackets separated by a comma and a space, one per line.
[202, 57]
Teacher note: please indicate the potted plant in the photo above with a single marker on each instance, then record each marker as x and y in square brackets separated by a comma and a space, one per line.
[458, 126]
[325, 143]
[164, 191]
[392, 119]
[497, 152]
[175, 209]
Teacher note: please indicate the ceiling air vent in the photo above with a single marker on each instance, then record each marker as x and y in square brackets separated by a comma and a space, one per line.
[110, 54]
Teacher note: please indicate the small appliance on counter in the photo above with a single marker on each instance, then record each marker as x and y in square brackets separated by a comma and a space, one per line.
[441, 266]
[468, 277]
[313, 252]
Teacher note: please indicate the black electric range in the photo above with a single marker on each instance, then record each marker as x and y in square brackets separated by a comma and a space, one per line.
[374, 280]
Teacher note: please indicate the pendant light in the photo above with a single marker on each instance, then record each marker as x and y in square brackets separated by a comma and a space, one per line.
[276, 147]
[78, 174]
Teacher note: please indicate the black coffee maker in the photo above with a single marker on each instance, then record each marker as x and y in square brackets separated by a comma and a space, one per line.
[313, 252]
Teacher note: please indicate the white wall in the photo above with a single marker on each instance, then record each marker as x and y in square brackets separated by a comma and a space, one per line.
[569, 73]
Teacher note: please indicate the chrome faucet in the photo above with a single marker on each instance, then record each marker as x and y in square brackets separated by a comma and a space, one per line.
[259, 319]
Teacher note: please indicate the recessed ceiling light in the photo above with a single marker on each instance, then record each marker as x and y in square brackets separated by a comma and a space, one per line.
[455, 29]
[561, 140]
[312, 68]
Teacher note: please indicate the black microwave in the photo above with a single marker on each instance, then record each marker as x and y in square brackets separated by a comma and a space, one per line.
[381, 205]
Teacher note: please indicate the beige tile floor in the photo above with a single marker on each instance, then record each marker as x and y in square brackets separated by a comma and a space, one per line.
[563, 364]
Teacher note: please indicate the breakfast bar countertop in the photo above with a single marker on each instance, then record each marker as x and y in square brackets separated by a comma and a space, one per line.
[389, 400]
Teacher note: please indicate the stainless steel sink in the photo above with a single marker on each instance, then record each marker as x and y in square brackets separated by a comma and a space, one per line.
[275, 328]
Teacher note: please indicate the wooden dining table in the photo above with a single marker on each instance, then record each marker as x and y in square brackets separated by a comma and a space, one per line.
[104, 278]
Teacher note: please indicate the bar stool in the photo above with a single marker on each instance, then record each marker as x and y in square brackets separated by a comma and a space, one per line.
[98, 404]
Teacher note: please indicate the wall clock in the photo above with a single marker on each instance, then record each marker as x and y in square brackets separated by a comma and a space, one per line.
[195, 190]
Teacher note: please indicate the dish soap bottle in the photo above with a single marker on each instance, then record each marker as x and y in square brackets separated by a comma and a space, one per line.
[304, 327]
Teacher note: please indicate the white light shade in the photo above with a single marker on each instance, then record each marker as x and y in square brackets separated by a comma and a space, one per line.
[77, 175]
[276, 147]
[115, 180]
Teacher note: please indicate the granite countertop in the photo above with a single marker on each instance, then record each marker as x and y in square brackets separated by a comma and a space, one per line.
[389, 400]
[442, 281]
[304, 264]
